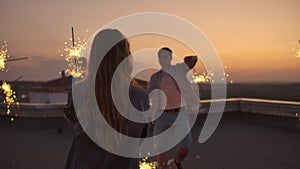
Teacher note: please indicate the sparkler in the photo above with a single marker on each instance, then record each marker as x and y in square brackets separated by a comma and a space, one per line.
[204, 78]
[298, 53]
[10, 96]
[208, 77]
[147, 165]
[3, 57]
[72, 54]
[296, 49]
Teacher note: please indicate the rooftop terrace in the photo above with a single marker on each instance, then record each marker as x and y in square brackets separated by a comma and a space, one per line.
[252, 133]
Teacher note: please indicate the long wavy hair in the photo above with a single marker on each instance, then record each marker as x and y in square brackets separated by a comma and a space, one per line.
[119, 51]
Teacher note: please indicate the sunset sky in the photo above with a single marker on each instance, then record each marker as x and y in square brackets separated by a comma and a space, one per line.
[254, 38]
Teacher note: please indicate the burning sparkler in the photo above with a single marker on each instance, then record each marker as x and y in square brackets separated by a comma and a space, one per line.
[298, 53]
[296, 48]
[72, 53]
[208, 77]
[10, 95]
[147, 165]
[204, 78]
[3, 57]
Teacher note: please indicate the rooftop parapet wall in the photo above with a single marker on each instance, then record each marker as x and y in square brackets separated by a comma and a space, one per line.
[258, 106]
[250, 105]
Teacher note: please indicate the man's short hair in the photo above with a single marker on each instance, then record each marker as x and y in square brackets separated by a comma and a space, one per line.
[165, 49]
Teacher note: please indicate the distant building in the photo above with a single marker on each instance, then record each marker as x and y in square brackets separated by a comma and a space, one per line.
[47, 95]
[53, 91]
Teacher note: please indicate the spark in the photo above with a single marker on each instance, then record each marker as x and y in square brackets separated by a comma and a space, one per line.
[296, 49]
[298, 53]
[3, 57]
[208, 77]
[201, 78]
[10, 96]
[147, 165]
[73, 53]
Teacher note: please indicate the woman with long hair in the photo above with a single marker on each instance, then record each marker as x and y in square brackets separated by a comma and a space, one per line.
[114, 66]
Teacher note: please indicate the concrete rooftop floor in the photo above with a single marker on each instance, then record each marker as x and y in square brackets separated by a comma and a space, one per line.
[241, 141]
